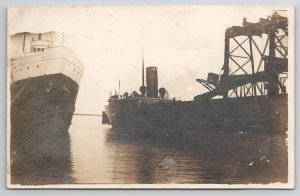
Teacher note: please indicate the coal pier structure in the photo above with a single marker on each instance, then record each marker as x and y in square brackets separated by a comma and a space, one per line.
[249, 93]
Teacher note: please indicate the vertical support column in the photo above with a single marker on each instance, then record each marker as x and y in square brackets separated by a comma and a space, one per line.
[252, 65]
[24, 39]
[273, 78]
[226, 64]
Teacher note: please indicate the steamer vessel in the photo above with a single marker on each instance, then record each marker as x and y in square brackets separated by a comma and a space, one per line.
[250, 91]
[45, 77]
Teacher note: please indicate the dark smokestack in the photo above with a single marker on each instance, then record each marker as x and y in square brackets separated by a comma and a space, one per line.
[152, 82]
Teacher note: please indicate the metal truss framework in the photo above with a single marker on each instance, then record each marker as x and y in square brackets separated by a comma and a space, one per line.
[255, 60]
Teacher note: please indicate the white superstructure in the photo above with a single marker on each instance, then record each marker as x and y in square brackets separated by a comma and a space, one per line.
[42, 57]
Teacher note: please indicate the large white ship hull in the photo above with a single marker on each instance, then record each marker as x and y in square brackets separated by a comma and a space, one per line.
[43, 89]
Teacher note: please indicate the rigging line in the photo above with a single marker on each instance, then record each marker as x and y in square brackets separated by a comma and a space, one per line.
[20, 91]
[132, 75]
[134, 71]
[20, 43]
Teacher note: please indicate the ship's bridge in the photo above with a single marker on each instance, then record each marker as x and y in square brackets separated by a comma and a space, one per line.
[41, 42]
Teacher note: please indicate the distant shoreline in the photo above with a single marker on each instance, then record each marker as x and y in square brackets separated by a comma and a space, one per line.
[87, 114]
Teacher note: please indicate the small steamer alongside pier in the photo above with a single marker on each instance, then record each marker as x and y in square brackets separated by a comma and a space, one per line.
[250, 92]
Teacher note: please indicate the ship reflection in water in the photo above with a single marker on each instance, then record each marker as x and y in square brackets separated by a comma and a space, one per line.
[103, 155]
[95, 153]
[41, 156]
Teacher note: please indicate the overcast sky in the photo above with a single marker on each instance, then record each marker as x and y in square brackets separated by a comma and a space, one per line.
[184, 43]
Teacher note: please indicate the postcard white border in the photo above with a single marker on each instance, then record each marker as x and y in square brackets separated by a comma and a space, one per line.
[291, 133]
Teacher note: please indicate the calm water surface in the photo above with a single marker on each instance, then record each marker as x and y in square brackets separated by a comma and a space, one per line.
[100, 154]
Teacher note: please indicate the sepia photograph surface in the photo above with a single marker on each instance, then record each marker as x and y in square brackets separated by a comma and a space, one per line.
[157, 97]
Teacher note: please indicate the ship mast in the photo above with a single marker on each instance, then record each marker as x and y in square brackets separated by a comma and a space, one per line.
[143, 77]
[119, 88]
[143, 88]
